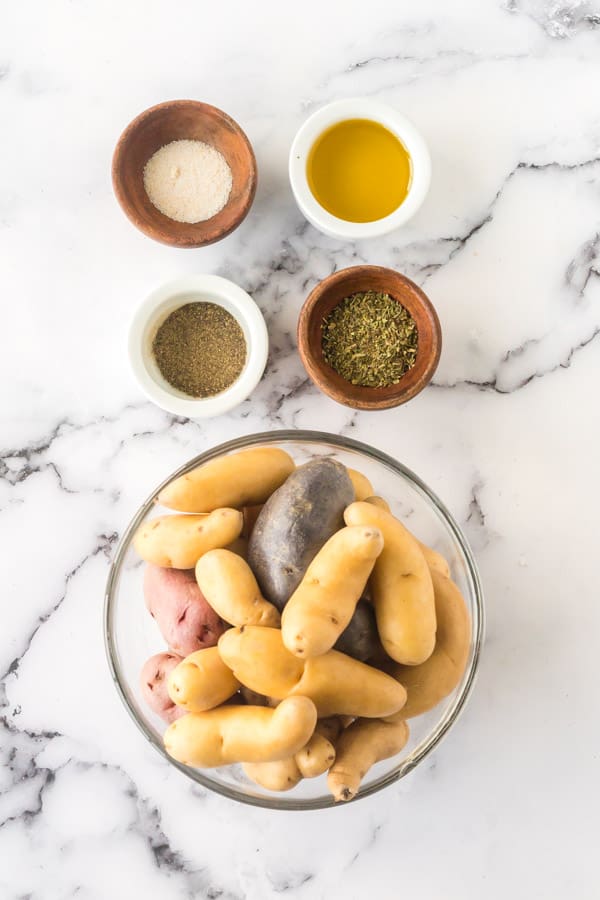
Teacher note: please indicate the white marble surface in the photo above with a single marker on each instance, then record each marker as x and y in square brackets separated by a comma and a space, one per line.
[507, 246]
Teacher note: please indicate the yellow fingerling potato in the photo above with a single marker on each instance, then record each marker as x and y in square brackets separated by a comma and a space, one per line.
[361, 484]
[317, 756]
[311, 761]
[336, 683]
[345, 721]
[232, 734]
[379, 502]
[227, 582]
[433, 559]
[178, 542]
[201, 681]
[342, 685]
[401, 587]
[259, 660]
[437, 677]
[324, 602]
[359, 747]
[281, 775]
[247, 478]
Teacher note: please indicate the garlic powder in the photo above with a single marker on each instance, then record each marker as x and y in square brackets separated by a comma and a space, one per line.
[188, 181]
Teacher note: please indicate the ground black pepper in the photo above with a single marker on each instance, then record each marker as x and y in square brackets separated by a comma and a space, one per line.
[370, 339]
[200, 349]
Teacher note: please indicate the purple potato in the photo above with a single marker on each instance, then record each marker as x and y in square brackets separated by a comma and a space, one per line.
[359, 639]
[294, 524]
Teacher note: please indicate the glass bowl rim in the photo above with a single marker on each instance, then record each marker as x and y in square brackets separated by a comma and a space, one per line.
[478, 615]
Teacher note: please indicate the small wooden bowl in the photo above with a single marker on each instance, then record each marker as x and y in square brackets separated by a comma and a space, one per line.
[179, 120]
[327, 294]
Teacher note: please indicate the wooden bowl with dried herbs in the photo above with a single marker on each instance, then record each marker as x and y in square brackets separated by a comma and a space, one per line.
[369, 337]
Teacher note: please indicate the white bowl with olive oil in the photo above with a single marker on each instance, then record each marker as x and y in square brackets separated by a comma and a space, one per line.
[359, 169]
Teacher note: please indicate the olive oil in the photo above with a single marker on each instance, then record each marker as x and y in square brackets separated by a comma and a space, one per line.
[358, 170]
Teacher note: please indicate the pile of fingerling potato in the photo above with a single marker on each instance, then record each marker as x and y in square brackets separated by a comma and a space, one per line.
[304, 623]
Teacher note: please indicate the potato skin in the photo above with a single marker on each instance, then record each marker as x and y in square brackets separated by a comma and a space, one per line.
[185, 619]
[229, 585]
[428, 684]
[280, 775]
[433, 559]
[178, 542]
[310, 761]
[201, 681]
[251, 514]
[232, 734]
[247, 478]
[374, 500]
[252, 698]
[359, 747]
[295, 523]
[153, 684]
[315, 757]
[324, 602]
[259, 660]
[359, 639]
[361, 484]
[401, 586]
[332, 726]
[239, 546]
[336, 683]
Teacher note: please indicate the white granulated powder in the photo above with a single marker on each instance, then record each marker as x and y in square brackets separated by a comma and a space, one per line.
[188, 181]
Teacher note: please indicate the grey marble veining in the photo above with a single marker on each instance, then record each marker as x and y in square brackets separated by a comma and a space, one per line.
[507, 246]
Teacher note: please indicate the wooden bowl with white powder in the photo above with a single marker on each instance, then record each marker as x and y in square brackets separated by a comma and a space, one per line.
[184, 173]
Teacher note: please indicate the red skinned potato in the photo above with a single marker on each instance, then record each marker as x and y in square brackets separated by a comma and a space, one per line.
[153, 683]
[185, 619]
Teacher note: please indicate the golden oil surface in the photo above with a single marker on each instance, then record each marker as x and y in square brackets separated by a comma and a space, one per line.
[358, 170]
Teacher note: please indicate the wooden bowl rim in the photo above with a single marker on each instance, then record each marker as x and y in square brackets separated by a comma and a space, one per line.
[329, 381]
[192, 240]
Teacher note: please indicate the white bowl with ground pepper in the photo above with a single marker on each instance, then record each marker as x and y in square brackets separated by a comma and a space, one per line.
[198, 346]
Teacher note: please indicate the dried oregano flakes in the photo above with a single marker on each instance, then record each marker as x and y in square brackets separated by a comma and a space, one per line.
[370, 339]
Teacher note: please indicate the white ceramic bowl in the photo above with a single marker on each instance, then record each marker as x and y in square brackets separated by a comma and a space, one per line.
[358, 108]
[160, 304]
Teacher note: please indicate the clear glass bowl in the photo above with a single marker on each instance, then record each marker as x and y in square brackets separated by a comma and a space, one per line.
[131, 635]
